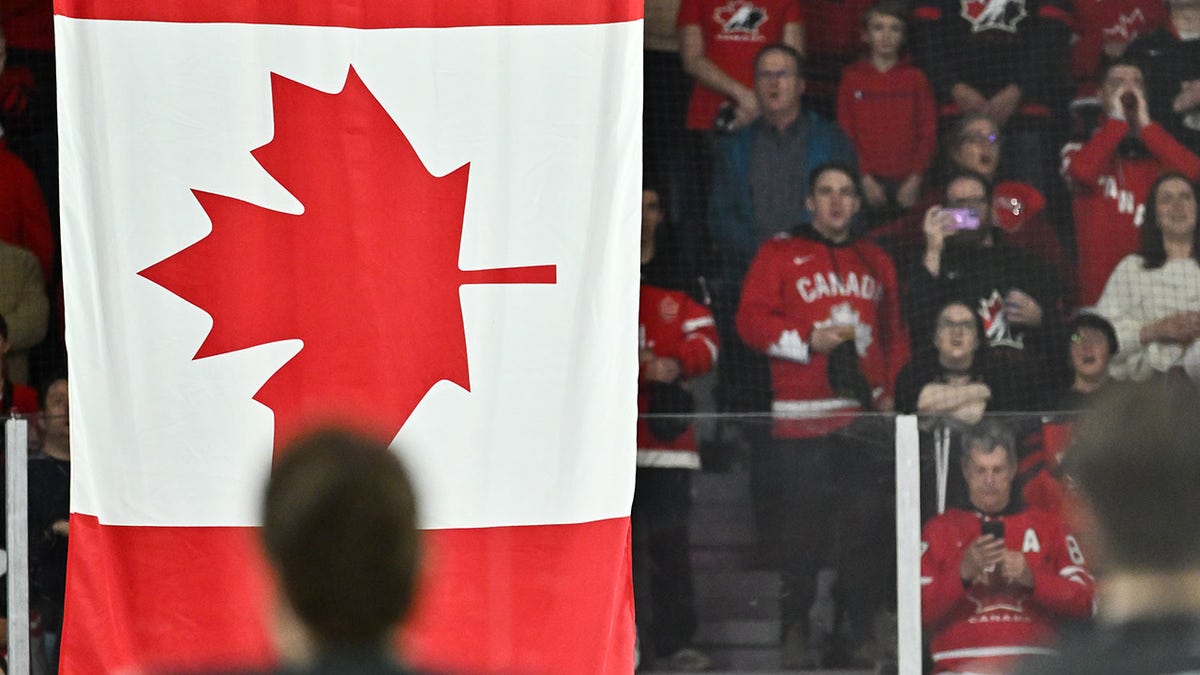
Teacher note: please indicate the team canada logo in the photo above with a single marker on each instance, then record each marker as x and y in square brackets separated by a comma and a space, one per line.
[668, 309]
[993, 14]
[995, 323]
[741, 18]
[844, 314]
[996, 606]
[1126, 27]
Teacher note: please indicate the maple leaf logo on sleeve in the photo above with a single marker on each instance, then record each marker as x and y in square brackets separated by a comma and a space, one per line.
[366, 276]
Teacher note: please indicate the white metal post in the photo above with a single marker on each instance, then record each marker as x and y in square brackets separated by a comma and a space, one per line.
[908, 546]
[16, 472]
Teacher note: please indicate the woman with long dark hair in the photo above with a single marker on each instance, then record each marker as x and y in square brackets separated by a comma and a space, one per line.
[1152, 297]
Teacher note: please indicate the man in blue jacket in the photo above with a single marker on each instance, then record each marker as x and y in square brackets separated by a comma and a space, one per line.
[760, 185]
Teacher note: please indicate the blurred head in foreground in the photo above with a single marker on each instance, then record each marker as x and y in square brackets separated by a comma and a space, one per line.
[1135, 463]
[339, 529]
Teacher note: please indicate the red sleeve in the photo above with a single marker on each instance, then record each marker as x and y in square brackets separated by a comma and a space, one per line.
[845, 104]
[793, 13]
[1063, 584]
[1086, 46]
[926, 124]
[759, 319]
[25, 400]
[689, 14]
[1083, 167]
[941, 584]
[896, 346]
[1173, 155]
[699, 351]
[1044, 492]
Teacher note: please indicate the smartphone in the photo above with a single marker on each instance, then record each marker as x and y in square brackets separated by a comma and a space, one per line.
[726, 115]
[963, 219]
[994, 528]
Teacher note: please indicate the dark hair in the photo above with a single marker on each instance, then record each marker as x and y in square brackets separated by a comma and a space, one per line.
[1135, 462]
[339, 527]
[1153, 250]
[784, 48]
[1095, 322]
[1122, 62]
[897, 9]
[958, 133]
[986, 436]
[833, 165]
[967, 174]
[48, 382]
[948, 144]
[3, 328]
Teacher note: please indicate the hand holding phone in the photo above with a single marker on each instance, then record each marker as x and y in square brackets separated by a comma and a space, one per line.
[994, 528]
[962, 219]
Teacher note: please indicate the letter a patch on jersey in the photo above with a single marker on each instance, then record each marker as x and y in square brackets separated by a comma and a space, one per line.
[1031, 543]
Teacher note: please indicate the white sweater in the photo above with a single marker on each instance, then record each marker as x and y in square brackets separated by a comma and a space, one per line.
[1135, 296]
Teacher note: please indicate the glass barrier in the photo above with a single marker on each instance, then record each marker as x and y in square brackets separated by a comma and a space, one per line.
[835, 541]
[792, 541]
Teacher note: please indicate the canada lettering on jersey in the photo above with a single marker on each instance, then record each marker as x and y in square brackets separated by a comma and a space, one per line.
[829, 285]
[740, 20]
[993, 14]
[993, 603]
[1006, 617]
[1125, 199]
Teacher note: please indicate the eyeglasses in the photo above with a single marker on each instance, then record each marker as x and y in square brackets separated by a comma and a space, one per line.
[947, 324]
[1089, 340]
[977, 203]
[773, 74]
[981, 138]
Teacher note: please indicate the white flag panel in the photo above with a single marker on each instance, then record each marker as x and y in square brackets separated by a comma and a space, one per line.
[546, 434]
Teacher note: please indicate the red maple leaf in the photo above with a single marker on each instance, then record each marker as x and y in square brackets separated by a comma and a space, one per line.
[366, 276]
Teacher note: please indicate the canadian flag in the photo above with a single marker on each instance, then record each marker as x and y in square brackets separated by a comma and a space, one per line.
[418, 215]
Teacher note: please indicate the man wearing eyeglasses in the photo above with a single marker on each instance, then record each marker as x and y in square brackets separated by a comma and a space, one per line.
[1018, 297]
[760, 172]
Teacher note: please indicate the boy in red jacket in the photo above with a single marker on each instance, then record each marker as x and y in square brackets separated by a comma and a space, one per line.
[885, 105]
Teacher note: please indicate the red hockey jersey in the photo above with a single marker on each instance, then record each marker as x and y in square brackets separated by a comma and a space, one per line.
[1109, 195]
[672, 325]
[733, 32]
[987, 628]
[796, 284]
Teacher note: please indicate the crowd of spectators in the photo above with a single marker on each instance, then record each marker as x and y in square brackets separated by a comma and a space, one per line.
[944, 207]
